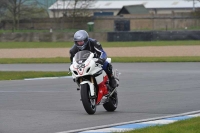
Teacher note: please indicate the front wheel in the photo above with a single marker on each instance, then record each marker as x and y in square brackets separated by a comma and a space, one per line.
[88, 103]
[111, 105]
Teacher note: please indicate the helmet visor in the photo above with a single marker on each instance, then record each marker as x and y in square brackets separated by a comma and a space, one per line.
[79, 43]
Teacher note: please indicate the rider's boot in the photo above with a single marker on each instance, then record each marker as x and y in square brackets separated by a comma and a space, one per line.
[112, 81]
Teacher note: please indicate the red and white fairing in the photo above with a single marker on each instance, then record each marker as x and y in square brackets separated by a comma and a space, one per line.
[89, 67]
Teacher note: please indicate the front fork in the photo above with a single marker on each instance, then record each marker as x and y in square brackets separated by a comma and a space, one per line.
[90, 83]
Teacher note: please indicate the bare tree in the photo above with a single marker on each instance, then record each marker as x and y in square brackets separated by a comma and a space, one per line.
[2, 9]
[72, 9]
[196, 11]
[45, 4]
[2, 14]
[194, 3]
[18, 9]
[80, 9]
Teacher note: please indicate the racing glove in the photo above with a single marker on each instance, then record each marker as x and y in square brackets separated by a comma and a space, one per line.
[100, 61]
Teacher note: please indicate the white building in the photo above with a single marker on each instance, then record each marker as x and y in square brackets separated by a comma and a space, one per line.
[61, 8]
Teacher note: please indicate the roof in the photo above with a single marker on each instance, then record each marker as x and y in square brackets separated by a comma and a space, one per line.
[133, 9]
[119, 4]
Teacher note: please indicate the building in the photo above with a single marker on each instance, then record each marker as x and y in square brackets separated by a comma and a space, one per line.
[63, 8]
[133, 9]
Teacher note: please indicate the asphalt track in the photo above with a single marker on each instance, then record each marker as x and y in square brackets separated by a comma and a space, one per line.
[147, 90]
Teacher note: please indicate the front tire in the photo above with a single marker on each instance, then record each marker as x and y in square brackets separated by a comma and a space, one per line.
[88, 103]
[111, 105]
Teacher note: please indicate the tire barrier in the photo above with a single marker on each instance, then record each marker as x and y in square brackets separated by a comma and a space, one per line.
[152, 35]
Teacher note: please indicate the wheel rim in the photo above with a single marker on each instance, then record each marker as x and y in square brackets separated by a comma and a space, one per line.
[93, 103]
[114, 100]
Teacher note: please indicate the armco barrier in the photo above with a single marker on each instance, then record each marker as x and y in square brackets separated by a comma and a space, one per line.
[176, 35]
[129, 36]
[153, 35]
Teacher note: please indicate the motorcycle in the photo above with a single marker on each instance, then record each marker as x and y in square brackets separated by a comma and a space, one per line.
[93, 82]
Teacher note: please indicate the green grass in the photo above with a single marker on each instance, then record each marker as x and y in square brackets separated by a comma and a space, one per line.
[185, 126]
[157, 59]
[114, 59]
[104, 44]
[15, 75]
[33, 60]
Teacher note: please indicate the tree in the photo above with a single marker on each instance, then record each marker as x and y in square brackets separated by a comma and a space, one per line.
[2, 9]
[196, 11]
[18, 9]
[77, 8]
[80, 8]
[71, 8]
[194, 2]
[45, 4]
[2, 14]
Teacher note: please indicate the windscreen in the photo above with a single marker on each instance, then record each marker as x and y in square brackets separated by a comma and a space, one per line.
[82, 56]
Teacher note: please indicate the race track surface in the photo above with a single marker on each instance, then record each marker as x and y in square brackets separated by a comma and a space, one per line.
[147, 90]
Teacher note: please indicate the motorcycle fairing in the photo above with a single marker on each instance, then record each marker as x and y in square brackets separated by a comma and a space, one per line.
[102, 89]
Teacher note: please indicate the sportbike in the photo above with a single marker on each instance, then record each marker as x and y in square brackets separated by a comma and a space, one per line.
[93, 82]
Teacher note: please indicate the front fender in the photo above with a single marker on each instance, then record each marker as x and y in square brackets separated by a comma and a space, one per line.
[91, 85]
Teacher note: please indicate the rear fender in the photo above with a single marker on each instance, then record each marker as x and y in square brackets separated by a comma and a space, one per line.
[91, 85]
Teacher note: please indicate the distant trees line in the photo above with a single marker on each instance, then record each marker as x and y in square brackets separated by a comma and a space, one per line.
[17, 10]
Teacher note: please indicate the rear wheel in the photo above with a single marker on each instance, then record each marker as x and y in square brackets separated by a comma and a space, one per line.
[111, 105]
[88, 103]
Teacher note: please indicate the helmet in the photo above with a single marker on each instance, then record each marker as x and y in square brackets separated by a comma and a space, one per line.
[81, 35]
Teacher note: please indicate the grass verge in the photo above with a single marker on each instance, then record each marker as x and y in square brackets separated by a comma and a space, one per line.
[33, 60]
[157, 59]
[104, 44]
[185, 126]
[114, 59]
[17, 75]
[13, 75]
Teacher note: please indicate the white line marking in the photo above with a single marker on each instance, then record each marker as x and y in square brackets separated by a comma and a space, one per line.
[33, 91]
[193, 114]
[158, 122]
[42, 78]
[110, 130]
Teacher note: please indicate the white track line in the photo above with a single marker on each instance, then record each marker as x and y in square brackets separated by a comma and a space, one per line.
[42, 78]
[153, 121]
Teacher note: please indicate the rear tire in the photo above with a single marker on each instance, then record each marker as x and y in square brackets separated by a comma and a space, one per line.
[88, 104]
[111, 105]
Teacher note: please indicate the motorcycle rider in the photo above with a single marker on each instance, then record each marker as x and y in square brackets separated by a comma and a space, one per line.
[83, 42]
